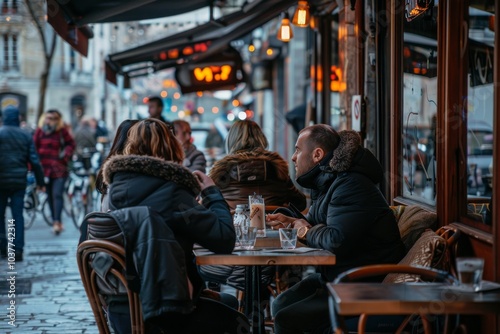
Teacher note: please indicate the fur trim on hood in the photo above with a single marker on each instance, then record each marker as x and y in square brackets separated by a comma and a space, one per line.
[151, 166]
[221, 167]
[350, 142]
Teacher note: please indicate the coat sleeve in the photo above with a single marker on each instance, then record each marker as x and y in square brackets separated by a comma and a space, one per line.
[35, 163]
[69, 144]
[352, 209]
[208, 224]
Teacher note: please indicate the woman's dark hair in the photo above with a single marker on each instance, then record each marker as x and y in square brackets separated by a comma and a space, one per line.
[116, 148]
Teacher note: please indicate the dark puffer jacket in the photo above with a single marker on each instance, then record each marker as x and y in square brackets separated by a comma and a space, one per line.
[349, 214]
[16, 151]
[171, 190]
[258, 171]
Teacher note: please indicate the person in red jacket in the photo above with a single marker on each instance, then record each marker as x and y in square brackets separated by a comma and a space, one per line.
[55, 147]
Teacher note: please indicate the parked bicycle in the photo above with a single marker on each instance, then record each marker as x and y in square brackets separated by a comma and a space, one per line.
[82, 195]
[35, 202]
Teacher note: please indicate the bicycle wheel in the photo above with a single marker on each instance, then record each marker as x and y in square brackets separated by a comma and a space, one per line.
[29, 212]
[44, 208]
[77, 208]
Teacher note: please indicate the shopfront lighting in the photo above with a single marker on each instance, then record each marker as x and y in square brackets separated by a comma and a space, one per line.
[285, 33]
[302, 16]
[415, 8]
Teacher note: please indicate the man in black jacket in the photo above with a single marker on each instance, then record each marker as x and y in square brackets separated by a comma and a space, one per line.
[16, 151]
[349, 216]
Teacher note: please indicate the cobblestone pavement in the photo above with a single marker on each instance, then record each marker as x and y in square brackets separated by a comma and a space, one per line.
[49, 296]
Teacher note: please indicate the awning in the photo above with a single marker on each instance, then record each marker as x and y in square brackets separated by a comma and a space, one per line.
[70, 17]
[198, 43]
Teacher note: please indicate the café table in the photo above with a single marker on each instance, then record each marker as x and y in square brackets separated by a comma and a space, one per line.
[267, 252]
[349, 299]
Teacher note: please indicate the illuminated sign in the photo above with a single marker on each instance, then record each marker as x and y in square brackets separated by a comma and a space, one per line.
[223, 71]
[176, 53]
[212, 73]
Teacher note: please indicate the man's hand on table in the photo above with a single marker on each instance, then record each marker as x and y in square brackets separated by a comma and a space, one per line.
[278, 220]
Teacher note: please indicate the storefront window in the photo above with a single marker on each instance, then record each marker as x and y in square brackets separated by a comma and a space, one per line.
[480, 111]
[420, 96]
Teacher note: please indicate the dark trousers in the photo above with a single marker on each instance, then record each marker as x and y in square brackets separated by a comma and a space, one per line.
[55, 191]
[302, 308]
[209, 317]
[16, 207]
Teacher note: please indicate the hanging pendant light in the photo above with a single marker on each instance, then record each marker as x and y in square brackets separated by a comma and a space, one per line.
[285, 33]
[301, 17]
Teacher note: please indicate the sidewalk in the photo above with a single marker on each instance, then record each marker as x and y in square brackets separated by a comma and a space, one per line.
[49, 295]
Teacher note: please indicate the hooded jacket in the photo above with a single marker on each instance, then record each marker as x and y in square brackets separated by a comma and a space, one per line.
[349, 214]
[171, 190]
[258, 171]
[16, 151]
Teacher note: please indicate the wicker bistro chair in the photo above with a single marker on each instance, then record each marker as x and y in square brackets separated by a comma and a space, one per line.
[362, 273]
[86, 253]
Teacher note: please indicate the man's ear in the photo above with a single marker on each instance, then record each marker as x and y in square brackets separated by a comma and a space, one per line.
[317, 155]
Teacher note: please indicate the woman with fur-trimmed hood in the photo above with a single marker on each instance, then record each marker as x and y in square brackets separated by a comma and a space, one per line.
[150, 173]
[249, 168]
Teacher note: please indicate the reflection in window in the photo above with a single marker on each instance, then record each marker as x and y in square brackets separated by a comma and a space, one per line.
[419, 107]
[480, 111]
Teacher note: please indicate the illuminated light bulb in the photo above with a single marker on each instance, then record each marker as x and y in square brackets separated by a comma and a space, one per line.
[301, 18]
[285, 33]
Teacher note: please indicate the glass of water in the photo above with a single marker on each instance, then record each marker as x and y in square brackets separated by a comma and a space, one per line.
[288, 238]
[248, 236]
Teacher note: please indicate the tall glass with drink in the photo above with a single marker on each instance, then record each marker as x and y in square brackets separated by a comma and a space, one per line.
[257, 214]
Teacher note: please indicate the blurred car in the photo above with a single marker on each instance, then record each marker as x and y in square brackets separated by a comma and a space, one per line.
[479, 154]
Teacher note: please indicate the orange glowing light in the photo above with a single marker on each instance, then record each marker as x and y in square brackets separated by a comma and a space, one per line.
[215, 110]
[212, 73]
[177, 95]
[187, 51]
[200, 110]
[236, 103]
[174, 53]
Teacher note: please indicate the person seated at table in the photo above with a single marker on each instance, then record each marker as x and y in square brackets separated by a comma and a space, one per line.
[250, 168]
[348, 216]
[194, 159]
[150, 173]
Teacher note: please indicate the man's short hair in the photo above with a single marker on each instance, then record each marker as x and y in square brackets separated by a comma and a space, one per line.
[156, 99]
[322, 135]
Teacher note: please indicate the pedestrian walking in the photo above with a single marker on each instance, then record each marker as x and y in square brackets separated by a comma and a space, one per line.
[55, 146]
[16, 151]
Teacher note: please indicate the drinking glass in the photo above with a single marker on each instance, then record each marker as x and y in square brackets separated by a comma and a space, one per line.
[470, 272]
[248, 236]
[257, 214]
[288, 238]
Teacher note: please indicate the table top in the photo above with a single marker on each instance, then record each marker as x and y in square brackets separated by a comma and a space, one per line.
[267, 251]
[428, 298]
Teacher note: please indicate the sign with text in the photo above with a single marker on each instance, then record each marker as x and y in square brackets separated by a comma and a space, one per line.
[222, 72]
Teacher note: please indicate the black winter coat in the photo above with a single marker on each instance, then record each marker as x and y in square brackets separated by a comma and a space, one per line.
[171, 190]
[349, 214]
[16, 151]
